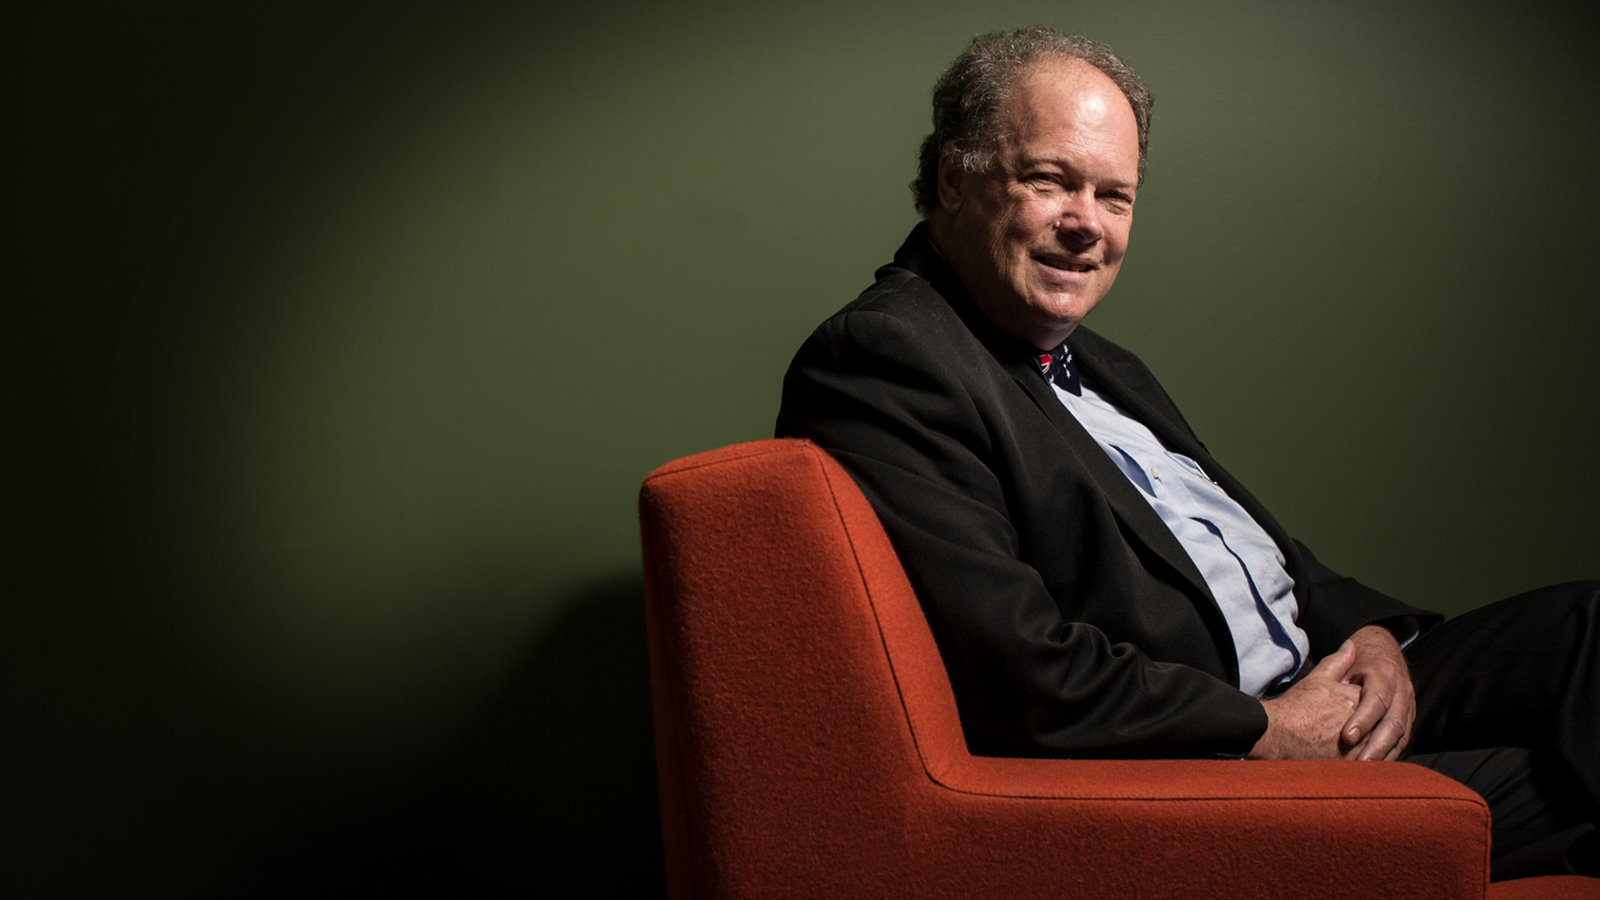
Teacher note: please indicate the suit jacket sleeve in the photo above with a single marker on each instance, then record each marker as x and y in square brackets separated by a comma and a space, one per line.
[912, 426]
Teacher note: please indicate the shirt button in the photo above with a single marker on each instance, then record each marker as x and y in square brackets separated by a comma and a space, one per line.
[1226, 532]
[1155, 471]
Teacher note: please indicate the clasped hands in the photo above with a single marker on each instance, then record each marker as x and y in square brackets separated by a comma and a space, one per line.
[1358, 703]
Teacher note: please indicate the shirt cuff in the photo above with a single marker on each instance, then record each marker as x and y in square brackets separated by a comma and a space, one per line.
[1404, 628]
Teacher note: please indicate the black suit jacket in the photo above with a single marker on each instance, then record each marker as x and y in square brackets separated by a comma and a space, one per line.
[1071, 620]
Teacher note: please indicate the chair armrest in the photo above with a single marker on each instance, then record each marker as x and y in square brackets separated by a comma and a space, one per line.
[1208, 828]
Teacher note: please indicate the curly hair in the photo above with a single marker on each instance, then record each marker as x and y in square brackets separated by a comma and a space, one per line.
[970, 99]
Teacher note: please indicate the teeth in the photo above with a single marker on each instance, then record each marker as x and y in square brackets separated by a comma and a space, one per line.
[1069, 266]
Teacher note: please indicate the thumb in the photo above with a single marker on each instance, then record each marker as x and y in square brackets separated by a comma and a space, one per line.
[1337, 664]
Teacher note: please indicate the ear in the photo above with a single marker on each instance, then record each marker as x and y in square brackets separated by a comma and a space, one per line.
[952, 178]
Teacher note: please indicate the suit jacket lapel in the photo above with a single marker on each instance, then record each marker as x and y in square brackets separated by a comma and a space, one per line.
[1123, 497]
[1179, 438]
[1174, 437]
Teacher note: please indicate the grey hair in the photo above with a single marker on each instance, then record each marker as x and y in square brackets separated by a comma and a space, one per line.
[970, 99]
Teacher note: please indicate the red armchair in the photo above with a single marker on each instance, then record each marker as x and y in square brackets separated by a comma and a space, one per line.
[808, 743]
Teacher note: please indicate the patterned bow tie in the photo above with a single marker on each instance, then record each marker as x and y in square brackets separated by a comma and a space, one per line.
[1058, 368]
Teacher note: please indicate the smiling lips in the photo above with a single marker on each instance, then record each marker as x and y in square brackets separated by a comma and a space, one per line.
[1066, 265]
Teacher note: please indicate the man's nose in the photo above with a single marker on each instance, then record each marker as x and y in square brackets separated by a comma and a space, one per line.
[1080, 218]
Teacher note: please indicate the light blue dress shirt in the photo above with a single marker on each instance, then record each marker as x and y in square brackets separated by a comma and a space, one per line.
[1240, 562]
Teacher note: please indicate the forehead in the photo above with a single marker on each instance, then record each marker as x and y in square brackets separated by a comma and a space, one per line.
[1067, 101]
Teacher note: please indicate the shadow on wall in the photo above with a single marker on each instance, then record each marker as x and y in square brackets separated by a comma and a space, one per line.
[551, 789]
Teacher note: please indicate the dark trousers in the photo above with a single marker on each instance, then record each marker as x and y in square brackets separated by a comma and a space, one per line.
[1508, 703]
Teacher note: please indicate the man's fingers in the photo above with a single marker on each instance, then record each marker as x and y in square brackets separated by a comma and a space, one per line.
[1389, 739]
[1381, 723]
[1336, 665]
[1368, 713]
[1385, 740]
[1385, 722]
[1402, 715]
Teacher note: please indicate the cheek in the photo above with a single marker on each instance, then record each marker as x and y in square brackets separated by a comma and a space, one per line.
[1016, 219]
[1119, 244]
[1007, 240]
[1032, 219]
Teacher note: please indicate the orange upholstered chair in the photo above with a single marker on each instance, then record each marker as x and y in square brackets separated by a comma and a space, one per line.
[808, 742]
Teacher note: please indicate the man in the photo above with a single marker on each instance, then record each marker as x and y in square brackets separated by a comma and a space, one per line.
[1098, 584]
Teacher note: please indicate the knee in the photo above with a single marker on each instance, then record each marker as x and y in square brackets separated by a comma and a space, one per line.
[1588, 596]
[1581, 593]
[1572, 608]
[1576, 601]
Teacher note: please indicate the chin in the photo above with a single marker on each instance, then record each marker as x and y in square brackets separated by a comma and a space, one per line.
[1064, 314]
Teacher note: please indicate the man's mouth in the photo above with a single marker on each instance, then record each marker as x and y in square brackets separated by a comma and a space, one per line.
[1066, 265]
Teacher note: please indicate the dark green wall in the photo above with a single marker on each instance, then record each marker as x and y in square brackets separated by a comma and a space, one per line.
[345, 333]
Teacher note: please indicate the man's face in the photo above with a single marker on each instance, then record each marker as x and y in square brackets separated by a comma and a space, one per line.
[1038, 238]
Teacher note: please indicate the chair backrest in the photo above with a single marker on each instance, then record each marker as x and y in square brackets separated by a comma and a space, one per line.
[784, 729]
